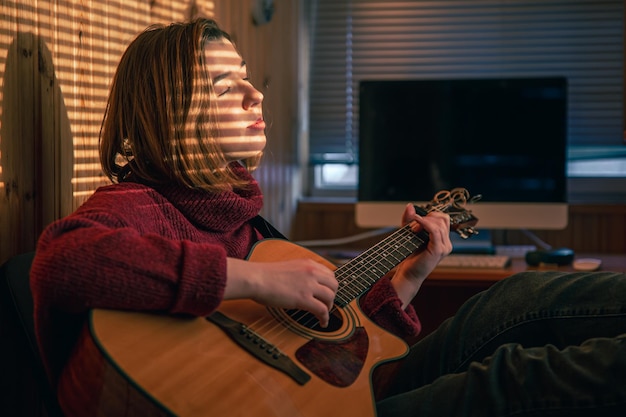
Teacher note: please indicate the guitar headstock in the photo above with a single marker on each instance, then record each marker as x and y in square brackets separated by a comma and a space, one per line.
[454, 202]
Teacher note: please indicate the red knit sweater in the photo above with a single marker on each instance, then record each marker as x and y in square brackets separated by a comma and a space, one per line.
[164, 248]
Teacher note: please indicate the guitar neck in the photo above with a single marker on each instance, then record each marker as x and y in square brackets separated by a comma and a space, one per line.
[359, 274]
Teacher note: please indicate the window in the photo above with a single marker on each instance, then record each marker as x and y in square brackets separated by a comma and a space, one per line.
[353, 40]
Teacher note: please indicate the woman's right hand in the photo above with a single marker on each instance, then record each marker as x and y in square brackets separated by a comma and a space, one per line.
[301, 284]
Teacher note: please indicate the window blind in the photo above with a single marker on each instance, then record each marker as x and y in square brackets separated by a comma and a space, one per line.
[353, 40]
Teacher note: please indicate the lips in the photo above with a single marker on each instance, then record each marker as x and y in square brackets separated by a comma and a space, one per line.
[258, 125]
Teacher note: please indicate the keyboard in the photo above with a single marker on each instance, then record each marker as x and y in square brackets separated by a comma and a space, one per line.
[475, 261]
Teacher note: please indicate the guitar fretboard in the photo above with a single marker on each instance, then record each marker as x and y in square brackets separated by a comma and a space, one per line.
[359, 274]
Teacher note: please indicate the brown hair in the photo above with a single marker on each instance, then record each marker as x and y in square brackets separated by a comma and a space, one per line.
[160, 118]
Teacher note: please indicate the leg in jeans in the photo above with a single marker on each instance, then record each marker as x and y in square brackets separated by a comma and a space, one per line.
[538, 343]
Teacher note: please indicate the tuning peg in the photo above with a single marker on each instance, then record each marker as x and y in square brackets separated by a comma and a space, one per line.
[467, 232]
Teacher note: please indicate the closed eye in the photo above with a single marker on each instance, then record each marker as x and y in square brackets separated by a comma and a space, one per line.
[227, 90]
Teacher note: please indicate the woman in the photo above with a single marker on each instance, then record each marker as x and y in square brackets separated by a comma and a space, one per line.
[183, 130]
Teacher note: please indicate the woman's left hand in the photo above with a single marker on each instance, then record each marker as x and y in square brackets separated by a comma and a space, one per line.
[412, 272]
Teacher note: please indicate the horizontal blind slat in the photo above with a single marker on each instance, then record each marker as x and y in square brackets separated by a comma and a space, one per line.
[368, 39]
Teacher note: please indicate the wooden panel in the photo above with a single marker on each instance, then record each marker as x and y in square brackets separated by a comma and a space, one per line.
[56, 62]
[17, 143]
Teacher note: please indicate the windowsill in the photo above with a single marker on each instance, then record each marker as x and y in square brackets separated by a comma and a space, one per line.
[596, 190]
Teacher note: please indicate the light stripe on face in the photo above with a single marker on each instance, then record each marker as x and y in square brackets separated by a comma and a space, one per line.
[241, 129]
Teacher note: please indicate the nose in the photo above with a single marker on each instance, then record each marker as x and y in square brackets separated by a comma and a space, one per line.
[252, 97]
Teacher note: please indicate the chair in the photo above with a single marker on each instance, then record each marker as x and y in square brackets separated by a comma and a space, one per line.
[26, 377]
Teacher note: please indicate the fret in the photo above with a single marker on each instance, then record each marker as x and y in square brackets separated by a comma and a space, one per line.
[358, 275]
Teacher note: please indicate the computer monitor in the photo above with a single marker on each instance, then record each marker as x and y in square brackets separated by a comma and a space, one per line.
[504, 139]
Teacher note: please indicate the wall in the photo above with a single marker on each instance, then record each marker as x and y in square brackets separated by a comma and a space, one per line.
[271, 52]
[56, 61]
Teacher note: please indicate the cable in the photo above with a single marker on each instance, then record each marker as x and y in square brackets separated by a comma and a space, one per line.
[344, 240]
[536, 239]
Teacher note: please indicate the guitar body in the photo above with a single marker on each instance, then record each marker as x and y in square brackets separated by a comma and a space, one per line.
[164, 365]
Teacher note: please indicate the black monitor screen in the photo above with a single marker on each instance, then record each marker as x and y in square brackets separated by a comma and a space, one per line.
[505, 139]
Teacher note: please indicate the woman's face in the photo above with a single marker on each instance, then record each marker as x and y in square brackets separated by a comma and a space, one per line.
[239, 111]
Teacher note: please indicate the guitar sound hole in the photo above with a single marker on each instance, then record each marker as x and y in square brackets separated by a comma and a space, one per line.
[306, 319]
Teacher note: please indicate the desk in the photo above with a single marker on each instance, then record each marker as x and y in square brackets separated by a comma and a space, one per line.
[467, 276]
[447, 288]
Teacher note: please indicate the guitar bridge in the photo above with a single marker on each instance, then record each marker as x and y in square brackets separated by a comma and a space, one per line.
[258, 347]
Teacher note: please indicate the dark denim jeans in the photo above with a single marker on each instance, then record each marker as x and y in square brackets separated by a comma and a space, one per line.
[534, 344]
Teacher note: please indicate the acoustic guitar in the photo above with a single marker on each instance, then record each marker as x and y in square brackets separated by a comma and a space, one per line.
[247, 359]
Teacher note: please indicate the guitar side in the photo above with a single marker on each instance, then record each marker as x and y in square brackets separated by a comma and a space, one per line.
[191, 367]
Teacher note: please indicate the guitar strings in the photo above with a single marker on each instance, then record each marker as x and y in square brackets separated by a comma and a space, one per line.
[268, 325]
[457, 198]
[392, 250]
[350, 275]
[347, 275]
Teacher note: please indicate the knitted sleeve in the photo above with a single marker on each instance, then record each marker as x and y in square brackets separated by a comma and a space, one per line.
[126, 249]
[92, 261]
[382, 305]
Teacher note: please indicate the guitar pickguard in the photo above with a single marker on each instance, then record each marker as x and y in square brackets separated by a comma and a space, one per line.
[337, 353]
[337, 362]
